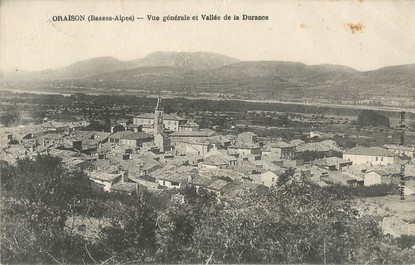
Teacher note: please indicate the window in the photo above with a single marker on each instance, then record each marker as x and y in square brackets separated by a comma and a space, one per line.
[381, 159]
[376, 158]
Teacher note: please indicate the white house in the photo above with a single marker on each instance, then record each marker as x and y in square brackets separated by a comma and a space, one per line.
[244, 149]
[269, 178]
[370, 155]
[375, 177]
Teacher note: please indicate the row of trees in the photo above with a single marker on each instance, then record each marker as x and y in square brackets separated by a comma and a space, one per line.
[294, 223]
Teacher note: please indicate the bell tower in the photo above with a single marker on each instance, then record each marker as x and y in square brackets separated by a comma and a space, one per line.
[158, 117]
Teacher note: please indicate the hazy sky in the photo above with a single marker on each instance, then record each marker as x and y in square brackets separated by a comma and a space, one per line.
[312, 32]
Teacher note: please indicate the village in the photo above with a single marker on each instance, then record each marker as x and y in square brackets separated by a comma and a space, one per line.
[159, 151]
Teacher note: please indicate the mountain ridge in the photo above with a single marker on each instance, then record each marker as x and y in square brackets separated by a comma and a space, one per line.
[198, 72]
[107, 64]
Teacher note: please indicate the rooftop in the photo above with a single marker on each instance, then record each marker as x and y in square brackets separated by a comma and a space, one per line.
[200, 133]
[400, 147]
[370, 151]
[244, 146]
[281, 145]
[323, 146]
[104, 176]
[166, 116]
[124, 187]
[331, 161]
[219, 159]
[129, 135]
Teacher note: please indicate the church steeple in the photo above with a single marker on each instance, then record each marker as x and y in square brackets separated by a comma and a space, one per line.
[158, 106]
[158, 117]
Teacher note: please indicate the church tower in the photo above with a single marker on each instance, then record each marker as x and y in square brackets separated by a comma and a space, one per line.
[160, 139]
[158, 117]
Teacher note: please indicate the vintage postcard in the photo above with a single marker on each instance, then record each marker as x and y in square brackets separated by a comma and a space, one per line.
[207, 132]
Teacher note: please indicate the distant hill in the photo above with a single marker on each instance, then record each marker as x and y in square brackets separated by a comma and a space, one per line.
[186, 60]
[186, 72]
[101, 65]
[77, 70]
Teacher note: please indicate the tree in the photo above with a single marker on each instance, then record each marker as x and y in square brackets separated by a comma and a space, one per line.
[372, 118]
[37, 197]
[10, 118]
[132, 233]
[294, 223]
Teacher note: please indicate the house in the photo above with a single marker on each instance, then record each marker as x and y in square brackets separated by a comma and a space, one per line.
[370, 155]
[106, 179]
[293, 163]
[219, 161]
[202, 133]
[31, 137]
[244, 149]
[270, 178]
[326, 147]
[377, 176]
[128, 188]
[190, 126]
[265, 165]
[134, 139]
[283, 150]
[54, 126]
[240, 188]
[84, 140]
[212, 184]
[341, 178]
[401, 150]
[247, 137]
[222, 141]
[333, 163]
[202, 147]
[170, 121]
[174, 177]
[172, 181]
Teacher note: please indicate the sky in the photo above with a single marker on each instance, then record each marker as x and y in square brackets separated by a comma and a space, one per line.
[364, 35]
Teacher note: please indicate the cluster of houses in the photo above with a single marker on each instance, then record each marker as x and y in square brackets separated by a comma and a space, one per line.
[163, 151]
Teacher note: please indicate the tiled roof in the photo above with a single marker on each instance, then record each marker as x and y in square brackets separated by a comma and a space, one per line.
[370, 151]
[399, 147]
[281, 145]
[178, 174]
[380, 172]
[104, 176]
[296, 142]
[247, 134]
[124, 187]
[339, 176]
[243, 146]
[129, 135]
[323, 146]
[331, 161]
[219, 160]
[201, 133]
[218, 184]
[166, 116]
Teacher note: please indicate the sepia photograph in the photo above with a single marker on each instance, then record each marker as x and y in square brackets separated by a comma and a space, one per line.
[207, 132]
